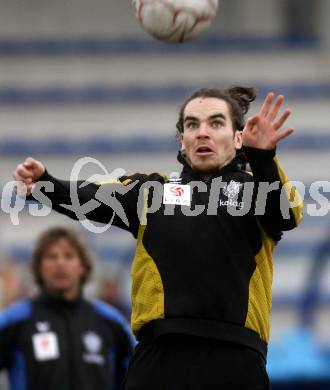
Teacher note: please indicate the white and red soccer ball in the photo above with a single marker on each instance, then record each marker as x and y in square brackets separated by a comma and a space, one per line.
[175, 20]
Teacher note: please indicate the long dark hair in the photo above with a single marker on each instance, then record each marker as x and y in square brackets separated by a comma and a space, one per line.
[50, 237]
[237, 97]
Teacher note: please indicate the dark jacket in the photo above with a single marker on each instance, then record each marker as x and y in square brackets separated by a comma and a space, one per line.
[208, 274]
[49, 343]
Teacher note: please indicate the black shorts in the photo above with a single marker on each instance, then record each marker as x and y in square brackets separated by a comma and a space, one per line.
[180, 362]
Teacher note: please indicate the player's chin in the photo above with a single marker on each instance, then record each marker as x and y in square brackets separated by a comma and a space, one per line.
[60, 285]
[205, 167]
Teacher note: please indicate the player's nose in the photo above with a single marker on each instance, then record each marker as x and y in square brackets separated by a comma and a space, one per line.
[60, 261]
[203, 131]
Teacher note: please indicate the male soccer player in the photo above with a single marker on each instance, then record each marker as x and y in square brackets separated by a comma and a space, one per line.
[59, 340]
[202, 271]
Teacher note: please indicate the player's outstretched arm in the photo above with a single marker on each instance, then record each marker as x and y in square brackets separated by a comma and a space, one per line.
[79, 199]
[264, 130]
[29, 172]
[260, 136]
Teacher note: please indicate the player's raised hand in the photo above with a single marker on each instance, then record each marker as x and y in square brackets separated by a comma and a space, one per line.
[263, 130]
[28, 173]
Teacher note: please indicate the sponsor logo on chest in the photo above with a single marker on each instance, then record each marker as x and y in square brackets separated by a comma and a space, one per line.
[93, 348]
[231, 191]
[45, 343]
[177, 194]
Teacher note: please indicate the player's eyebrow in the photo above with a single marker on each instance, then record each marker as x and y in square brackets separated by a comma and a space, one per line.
[214, 116]
[218, 115]
[190, 118]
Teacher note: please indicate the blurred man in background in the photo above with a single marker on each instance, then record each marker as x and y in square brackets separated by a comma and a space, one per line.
[109, 292]
[60, 341]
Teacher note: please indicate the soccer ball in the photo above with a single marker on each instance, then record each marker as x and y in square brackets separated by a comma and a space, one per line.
[175, 20]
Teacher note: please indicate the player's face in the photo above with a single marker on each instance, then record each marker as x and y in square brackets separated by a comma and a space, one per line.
[208, 139]
[61, 269]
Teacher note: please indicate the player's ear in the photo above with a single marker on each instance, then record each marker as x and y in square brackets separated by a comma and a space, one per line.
[179, 137]
[183, 147]
[238, 139]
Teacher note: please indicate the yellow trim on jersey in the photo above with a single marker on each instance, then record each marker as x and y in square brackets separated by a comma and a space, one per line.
[108, 181]
[165, 177]
[147, 286]
[126, 182]
[260, 289]
[112, 181]
[292, 193]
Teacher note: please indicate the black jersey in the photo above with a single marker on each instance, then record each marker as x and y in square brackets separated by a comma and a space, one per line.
[203, 261]
[50, 343]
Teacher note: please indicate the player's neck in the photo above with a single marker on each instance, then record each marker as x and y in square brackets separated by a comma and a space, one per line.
[69, 295]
